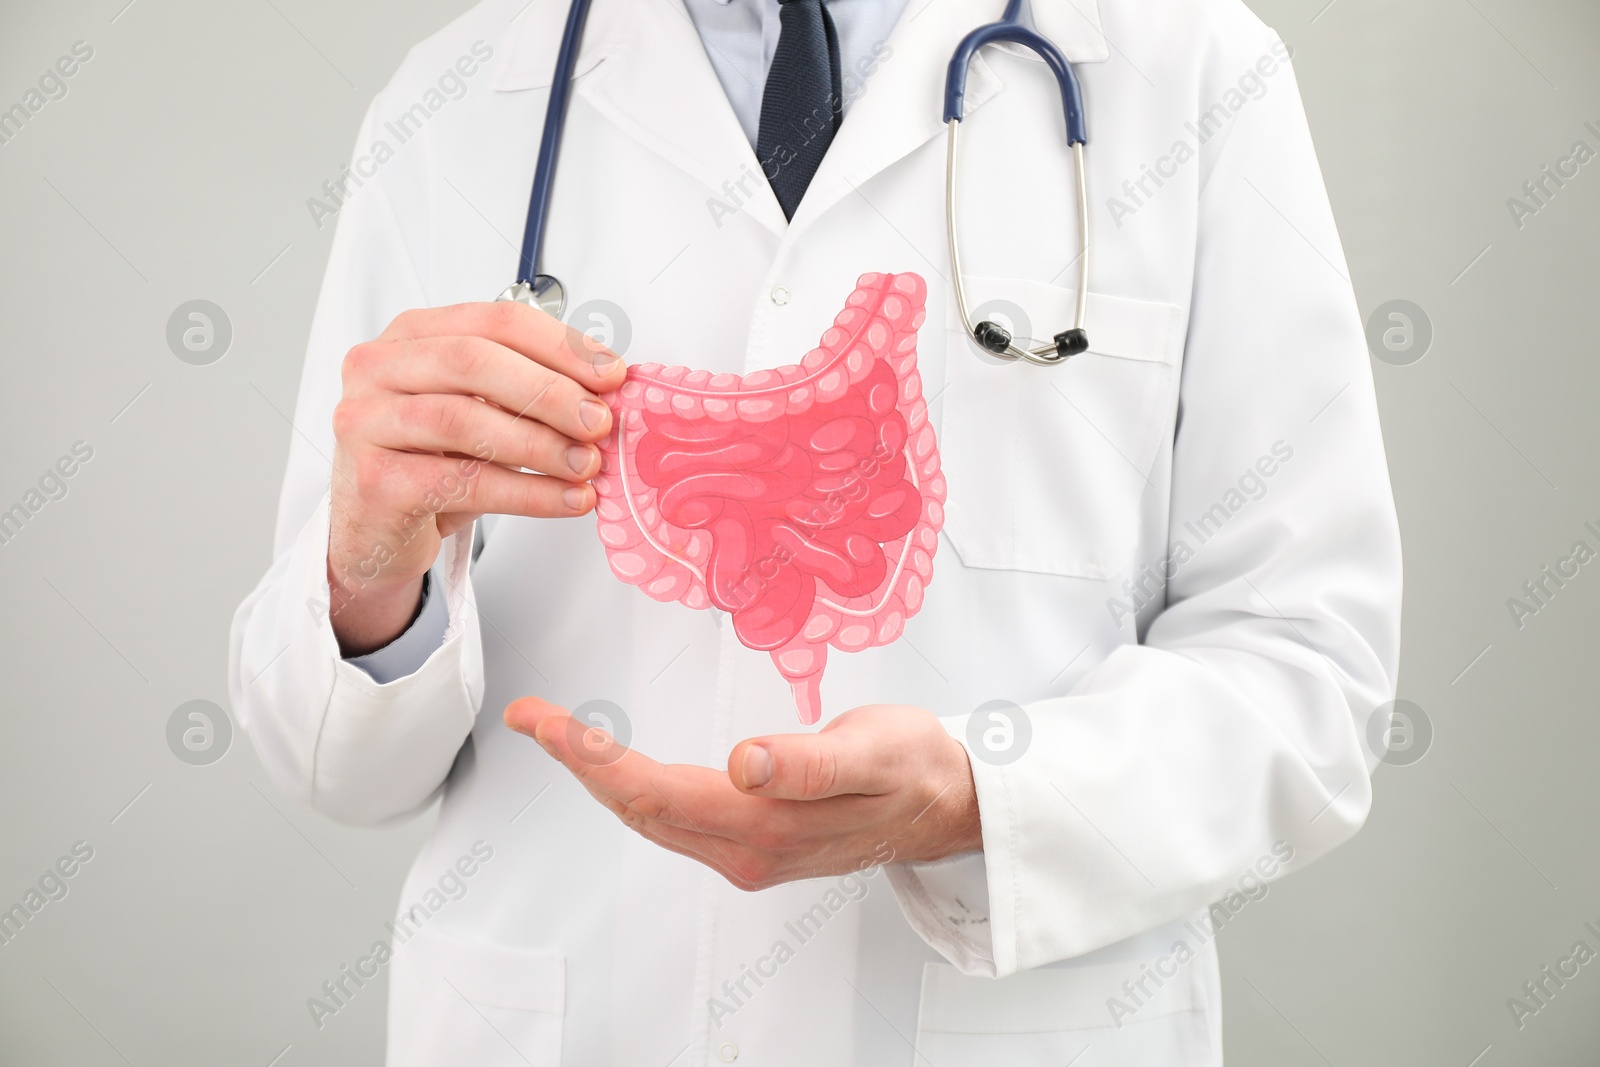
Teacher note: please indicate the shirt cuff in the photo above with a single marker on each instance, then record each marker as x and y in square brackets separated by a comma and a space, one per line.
[947, 904]
[947, 901]
[406, 654]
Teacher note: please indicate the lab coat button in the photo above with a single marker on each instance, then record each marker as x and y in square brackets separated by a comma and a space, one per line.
[728, 1052]
[780, 295]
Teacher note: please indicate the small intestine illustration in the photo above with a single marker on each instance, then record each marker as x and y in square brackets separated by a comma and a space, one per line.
[805, 501]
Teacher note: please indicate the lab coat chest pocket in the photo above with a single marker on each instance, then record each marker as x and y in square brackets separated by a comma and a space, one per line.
[461, 1001]
[1066, 1013]
[1047, 466]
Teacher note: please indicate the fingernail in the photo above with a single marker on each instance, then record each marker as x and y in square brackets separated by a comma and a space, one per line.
[579, 457]
[575, 497]
[592, 412]
[606, 362]
[757, 767]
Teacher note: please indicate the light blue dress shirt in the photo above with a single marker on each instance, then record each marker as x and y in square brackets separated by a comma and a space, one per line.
[740, 37]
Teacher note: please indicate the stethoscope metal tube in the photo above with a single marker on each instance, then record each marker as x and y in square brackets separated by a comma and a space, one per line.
[989, 335]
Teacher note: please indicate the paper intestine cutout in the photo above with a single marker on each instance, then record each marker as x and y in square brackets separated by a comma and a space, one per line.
[804, 501]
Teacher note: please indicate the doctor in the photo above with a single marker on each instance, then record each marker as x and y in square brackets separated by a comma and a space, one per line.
[1165, 601]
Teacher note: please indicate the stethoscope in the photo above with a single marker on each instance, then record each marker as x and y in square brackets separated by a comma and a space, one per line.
[545, 291]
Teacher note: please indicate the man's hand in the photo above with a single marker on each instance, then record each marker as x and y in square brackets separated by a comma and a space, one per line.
[438, 416]
[882, 782]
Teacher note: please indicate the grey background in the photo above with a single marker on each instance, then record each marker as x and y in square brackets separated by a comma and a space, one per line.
[177, 168]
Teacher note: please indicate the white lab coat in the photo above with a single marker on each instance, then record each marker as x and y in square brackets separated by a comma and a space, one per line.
[1178, 552]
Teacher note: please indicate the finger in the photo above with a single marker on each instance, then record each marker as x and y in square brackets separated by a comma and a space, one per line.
[523, 329]
[697, 799]
[721, 852]
[419, 484]
[687, 796]
[443, 422]
[473, 366]
[832, 763]
[738, 865]
[636, 787]
[739, 862]
[568, 738]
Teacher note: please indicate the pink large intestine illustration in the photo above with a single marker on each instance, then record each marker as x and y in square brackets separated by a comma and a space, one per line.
[804, 501]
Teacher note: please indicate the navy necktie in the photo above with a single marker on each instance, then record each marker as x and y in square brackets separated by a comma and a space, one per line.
[800, 105]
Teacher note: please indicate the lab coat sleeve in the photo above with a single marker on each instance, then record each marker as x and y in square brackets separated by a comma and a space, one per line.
[1233, 732]
[326, 731]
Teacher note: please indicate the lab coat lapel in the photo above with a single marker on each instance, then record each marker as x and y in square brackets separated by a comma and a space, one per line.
[644, 67]
[902, 105]
[651, 78]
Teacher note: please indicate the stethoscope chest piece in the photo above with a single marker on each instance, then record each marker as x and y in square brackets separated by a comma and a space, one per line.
[545, 292]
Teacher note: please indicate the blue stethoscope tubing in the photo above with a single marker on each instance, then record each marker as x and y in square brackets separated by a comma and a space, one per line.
[545, 291]
[1010, 29]
[533, 286]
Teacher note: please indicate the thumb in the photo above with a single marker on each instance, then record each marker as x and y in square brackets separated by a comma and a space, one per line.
[835, 762]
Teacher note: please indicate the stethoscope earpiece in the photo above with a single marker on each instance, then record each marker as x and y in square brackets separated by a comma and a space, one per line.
[1071, 342]
[997, 339]
[993, 336]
